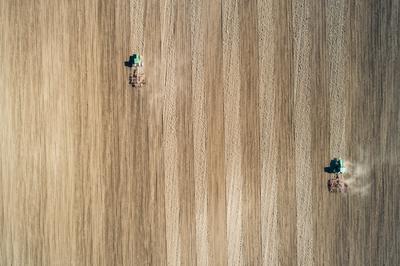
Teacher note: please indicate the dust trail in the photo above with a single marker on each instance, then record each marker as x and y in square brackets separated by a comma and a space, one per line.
[358, 177]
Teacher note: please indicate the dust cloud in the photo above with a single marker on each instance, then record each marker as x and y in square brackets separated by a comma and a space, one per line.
[358, 177]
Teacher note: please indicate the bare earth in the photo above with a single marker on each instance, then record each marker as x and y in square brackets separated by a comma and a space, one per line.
[218, 159]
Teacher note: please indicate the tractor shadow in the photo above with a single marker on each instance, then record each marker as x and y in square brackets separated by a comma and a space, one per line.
[329, 170]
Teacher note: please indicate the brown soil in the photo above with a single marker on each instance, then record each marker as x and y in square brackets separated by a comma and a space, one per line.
[218, 159]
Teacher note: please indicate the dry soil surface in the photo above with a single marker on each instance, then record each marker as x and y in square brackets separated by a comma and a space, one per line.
[219, 159]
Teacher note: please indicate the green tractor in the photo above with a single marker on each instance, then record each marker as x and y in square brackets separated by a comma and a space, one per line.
[336, 183]
[136, 70]
[135, 60]
[336, 167]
